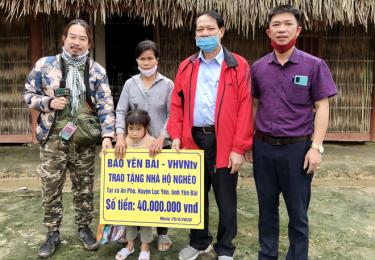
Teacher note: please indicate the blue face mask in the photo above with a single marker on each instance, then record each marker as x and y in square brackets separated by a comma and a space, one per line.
[207, 44]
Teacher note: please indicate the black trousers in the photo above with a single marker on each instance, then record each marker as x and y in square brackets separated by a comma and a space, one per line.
[279, 169]
[224, 186]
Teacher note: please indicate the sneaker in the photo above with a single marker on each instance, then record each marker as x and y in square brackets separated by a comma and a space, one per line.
[88, 239]
[190, 253]
[50, 245]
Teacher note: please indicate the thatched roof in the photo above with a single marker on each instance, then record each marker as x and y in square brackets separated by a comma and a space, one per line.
[241, 15]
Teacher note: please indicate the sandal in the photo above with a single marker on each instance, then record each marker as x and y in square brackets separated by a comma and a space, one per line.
[124, 253]
[144, 255]
[164, 240]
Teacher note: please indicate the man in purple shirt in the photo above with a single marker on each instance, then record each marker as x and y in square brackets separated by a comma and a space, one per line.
[287, 85]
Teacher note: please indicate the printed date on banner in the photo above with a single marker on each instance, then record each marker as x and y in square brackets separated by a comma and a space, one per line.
[163, 191]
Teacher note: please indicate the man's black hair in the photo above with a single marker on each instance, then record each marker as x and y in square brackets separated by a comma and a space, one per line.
[219, 19]
[284, 9]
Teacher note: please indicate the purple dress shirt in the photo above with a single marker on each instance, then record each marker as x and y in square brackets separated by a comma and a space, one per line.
[287, 93]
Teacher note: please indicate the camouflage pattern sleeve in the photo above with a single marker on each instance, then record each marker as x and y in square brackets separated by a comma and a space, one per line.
[33, 93]
[104, 102]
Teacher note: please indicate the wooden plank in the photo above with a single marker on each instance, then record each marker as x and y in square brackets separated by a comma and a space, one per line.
[36, 53]
[99, 44]
[348, 137]
[372, 120]
[156, 33]
[15, 139]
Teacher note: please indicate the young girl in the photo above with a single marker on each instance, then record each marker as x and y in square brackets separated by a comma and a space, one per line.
[137, 122]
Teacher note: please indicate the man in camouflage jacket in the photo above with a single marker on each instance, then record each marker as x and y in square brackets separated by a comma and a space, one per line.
[58, 155]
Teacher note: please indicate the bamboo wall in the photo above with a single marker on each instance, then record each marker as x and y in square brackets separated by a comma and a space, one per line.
[175, 46]
[14, 66]
[347, 50]
[349, 53]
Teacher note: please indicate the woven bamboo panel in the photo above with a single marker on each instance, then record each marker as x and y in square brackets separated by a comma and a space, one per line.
[15, 64]
[348, 52]
[249, 48]
[175, 46]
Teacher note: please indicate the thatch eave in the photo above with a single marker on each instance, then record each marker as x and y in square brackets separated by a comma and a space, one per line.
[240, 15]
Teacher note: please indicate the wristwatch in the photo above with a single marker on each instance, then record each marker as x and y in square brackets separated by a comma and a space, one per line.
[318, 147]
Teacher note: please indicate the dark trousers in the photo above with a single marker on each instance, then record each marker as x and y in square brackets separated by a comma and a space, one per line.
[224, 185]
[279, 169]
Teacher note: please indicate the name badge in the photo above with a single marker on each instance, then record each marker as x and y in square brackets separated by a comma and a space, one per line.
[301, 80]
[68, 131]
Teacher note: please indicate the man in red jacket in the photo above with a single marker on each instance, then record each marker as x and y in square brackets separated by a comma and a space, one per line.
[211, 109]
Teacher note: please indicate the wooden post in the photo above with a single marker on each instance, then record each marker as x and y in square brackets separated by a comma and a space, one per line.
[36, 53]
[99, 39]
[157, 34]
[372, 118]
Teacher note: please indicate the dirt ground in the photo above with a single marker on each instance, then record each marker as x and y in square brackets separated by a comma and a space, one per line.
[342, 210]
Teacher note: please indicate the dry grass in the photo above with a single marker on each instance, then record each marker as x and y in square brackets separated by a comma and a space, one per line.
[241, 15]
